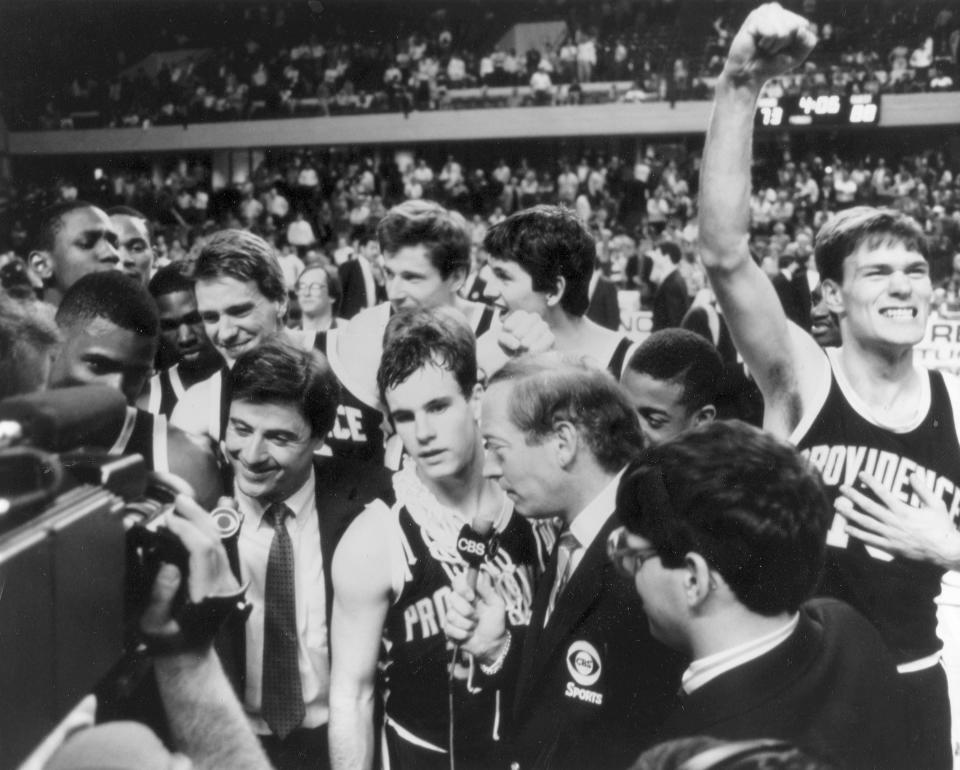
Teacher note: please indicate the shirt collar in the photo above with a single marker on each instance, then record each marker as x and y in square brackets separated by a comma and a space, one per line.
[591, 519]
[298, 502]
[703, 670]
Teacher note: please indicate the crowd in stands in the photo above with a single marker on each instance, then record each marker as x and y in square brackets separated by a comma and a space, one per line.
[315, 205]
[288, 60]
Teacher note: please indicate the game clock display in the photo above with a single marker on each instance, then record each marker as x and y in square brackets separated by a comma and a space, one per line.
[829, 110]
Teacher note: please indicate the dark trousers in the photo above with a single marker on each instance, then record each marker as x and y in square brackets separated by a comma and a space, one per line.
[928, 718]
[303, 749]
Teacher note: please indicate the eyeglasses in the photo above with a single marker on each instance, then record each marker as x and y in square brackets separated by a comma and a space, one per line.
[311, 288]
[628, 561]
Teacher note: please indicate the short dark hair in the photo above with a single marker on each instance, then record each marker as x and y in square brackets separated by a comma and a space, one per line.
[129, 211]
[441, 232]
[548, 242]
[112, 295]
[548, 388]
[169, 280]
[745, 501]
[848, 230]
[27, 330]
[683, 357]
[51, 222]
[416, 338]
[243, 256]
[276, 372]
[672, 250]
[334, 287]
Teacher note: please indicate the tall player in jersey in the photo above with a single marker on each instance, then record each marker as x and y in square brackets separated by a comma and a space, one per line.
[395, 566]
[426, 257]
[862, 412]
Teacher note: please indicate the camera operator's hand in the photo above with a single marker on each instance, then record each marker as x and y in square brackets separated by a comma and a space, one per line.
[210, 574]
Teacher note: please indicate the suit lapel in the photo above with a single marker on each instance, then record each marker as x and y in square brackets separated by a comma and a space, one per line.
[531, 642]
[582, 592]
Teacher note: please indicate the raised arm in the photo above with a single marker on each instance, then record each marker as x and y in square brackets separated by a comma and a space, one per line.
[361, 598]
[784, 361]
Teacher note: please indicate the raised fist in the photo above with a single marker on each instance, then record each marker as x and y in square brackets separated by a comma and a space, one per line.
[771, 41]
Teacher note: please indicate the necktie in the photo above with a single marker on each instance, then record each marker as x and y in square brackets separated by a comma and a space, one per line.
[282, 703]
[567, 546]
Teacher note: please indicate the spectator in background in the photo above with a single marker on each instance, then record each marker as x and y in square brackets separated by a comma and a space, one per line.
[671, 301]
[134, 242]
[319, 293]
[361, 277]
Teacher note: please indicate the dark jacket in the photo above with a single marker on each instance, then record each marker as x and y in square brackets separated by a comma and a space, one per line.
[354, 291]
[593, 687]
[671, 302]
[604, 306]
[831, 688]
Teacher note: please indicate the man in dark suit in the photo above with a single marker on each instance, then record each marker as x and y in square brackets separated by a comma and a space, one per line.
[604, 305]
[358, 278]
[672, 299]
[591, 684]
[724, 539]
[793, 291]
[295, 507]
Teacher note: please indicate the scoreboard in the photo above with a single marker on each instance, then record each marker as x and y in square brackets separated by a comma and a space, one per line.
[830, 110]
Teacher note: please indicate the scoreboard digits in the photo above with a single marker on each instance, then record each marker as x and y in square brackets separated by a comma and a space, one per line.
[824, 110]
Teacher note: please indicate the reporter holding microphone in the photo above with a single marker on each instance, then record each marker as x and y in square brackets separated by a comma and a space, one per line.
[396, 565]
[586, 683]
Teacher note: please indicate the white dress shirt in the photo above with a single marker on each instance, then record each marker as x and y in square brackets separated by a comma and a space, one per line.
[591, 519]
[703, 670]
[256, 536]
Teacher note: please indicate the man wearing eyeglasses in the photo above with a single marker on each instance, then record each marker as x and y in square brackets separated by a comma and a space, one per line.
[591, 685]
[723, 539]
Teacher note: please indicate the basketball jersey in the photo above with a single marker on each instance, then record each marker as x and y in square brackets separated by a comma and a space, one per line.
[166, 388]
[144, 434]
[619, 357]
[897, 595]
[358, 430]
[416, 652]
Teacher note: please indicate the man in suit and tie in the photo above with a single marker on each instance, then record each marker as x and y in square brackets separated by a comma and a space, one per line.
[724, 540]
[672, 300]
[591, 684]
[295, 507]
[358, 277]
[793, 291]
[604, 301]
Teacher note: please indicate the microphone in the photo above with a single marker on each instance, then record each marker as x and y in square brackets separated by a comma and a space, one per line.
[66, 418]
[474, 545]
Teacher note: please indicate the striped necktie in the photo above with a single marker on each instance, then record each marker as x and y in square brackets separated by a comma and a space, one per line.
[567, 546]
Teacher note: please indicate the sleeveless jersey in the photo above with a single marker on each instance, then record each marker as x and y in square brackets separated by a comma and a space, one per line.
[619, 358]
[144, 434]
[166, 388]
[416, 652]
[897, 595]
[358, 431]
